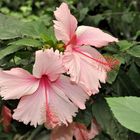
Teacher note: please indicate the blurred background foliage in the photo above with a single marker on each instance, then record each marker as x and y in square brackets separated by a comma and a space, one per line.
[26, 32]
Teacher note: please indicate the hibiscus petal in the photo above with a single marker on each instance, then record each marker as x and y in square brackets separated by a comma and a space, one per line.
[73, 92]
[48, 63]
[61, 106]
[87, 35]
[16, 83]
[80, 132]
[19, 72]
[65, 23]
[62, 132]
[31, 108]
[85, 71]
[71, 63]
[94, 129]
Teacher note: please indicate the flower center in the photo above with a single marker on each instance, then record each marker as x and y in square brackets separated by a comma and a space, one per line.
[72, 41]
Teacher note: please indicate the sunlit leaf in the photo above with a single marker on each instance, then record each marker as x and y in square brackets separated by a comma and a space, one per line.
[126, 110]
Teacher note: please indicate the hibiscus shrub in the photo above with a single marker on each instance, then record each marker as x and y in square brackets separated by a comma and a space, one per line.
[60, 80]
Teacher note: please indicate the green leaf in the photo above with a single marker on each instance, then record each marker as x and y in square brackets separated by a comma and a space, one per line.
[137, 34]
[111, 76]
[135, 51]
[9, 50]
[85, 116]
[49, 37]
[11, 27]
[97, 18]
[123, 86]
[134, 75]
[83, 13]
[111, 48]
[105, 119]
[124, 45]
[128, 18]
[34, 29]
[93, 20]
[19, 44]
[126, 110]
[26, 42]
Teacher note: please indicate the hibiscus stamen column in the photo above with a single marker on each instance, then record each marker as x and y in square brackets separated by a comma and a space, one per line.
[94, 59]
[51, 119]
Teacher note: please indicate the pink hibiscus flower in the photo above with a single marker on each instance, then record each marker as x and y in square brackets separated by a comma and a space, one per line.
[47, 97]
[77, 130]
[85, 64]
